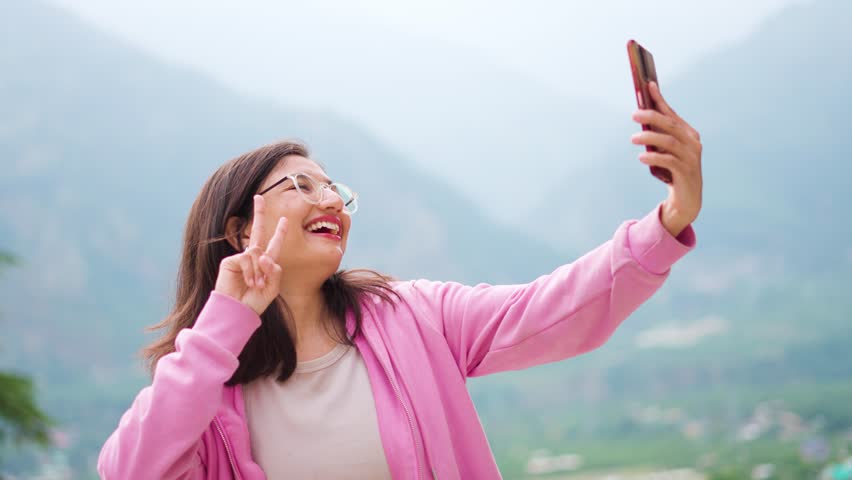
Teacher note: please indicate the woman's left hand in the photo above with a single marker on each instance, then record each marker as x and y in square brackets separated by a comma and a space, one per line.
[679, 151]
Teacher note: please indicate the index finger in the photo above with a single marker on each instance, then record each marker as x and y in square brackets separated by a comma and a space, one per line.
[663, 123]
[277, 241]
[256, 236]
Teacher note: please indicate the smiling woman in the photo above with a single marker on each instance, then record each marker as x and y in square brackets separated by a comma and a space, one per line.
[243, 238]
[276, 364]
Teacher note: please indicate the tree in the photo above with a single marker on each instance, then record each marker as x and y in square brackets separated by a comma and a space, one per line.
[21, 420]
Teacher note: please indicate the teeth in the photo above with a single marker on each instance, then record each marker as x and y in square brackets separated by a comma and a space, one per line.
[329, 225]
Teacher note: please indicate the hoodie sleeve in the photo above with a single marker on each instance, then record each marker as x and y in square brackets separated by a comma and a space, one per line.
[570, 311]
[160, 435]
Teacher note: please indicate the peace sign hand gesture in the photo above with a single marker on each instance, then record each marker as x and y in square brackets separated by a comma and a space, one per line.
[252, 276]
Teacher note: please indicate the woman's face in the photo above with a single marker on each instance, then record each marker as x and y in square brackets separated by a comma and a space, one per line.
[305, 247]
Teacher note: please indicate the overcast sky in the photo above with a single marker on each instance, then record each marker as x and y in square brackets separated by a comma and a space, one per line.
[576, 48]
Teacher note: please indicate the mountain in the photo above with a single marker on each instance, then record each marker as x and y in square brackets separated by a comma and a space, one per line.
[457, 114]
[89, 122]
[773, 114]
[496, 135]
[103, 150]
[773, 263]
[760, 311]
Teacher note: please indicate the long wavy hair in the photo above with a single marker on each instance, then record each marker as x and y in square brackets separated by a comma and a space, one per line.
[270, 350]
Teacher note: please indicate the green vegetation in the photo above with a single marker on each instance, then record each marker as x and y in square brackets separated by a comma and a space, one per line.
[614, 435]
[21, 420]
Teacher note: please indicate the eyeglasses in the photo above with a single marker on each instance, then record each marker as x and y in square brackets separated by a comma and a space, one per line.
[312, 191]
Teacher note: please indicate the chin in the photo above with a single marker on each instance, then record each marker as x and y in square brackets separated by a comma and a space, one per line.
[320, 257]
[329, 269]
[329, 250]
[331, 260]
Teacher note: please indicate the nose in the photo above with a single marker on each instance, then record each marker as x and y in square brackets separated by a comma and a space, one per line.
[330, 200]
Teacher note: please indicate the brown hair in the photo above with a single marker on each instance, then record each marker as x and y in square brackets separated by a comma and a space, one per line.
[228, 193]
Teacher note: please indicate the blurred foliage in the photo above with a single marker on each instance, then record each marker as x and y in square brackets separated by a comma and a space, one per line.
[21, 420]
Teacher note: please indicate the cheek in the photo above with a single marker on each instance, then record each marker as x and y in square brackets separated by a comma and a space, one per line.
[347, 227]
[294, 215]
[292, 247]
[294, 233]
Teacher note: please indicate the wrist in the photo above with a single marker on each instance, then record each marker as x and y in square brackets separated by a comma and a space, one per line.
[673, 222]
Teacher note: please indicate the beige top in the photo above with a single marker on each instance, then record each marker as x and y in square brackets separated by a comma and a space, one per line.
[320, 423]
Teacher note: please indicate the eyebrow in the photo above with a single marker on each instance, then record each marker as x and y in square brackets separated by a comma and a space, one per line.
[322, 178]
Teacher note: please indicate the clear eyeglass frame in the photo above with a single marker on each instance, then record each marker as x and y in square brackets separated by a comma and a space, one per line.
[313, 191]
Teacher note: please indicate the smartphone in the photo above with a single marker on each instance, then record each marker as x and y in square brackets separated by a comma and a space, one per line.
[642, 66]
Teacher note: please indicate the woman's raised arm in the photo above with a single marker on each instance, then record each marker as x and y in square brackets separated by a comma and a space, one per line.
[567, 312]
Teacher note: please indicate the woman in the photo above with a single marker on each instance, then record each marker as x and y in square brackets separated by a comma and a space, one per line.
[275, 366]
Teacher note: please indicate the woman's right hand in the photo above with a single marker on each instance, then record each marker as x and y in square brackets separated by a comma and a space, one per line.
[252, 277]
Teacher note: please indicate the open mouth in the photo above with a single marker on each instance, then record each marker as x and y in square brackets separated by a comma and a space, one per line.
[324, 227]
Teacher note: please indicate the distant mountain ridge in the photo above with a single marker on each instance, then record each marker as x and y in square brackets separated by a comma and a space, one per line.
[453, 112]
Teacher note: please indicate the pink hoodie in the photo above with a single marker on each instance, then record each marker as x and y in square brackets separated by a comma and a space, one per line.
[189, 425]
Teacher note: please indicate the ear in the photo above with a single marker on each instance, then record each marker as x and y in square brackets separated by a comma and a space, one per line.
[236, 225]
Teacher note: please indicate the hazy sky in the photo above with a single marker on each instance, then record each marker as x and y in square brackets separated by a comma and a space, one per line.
[393, 67]
[575, 48]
